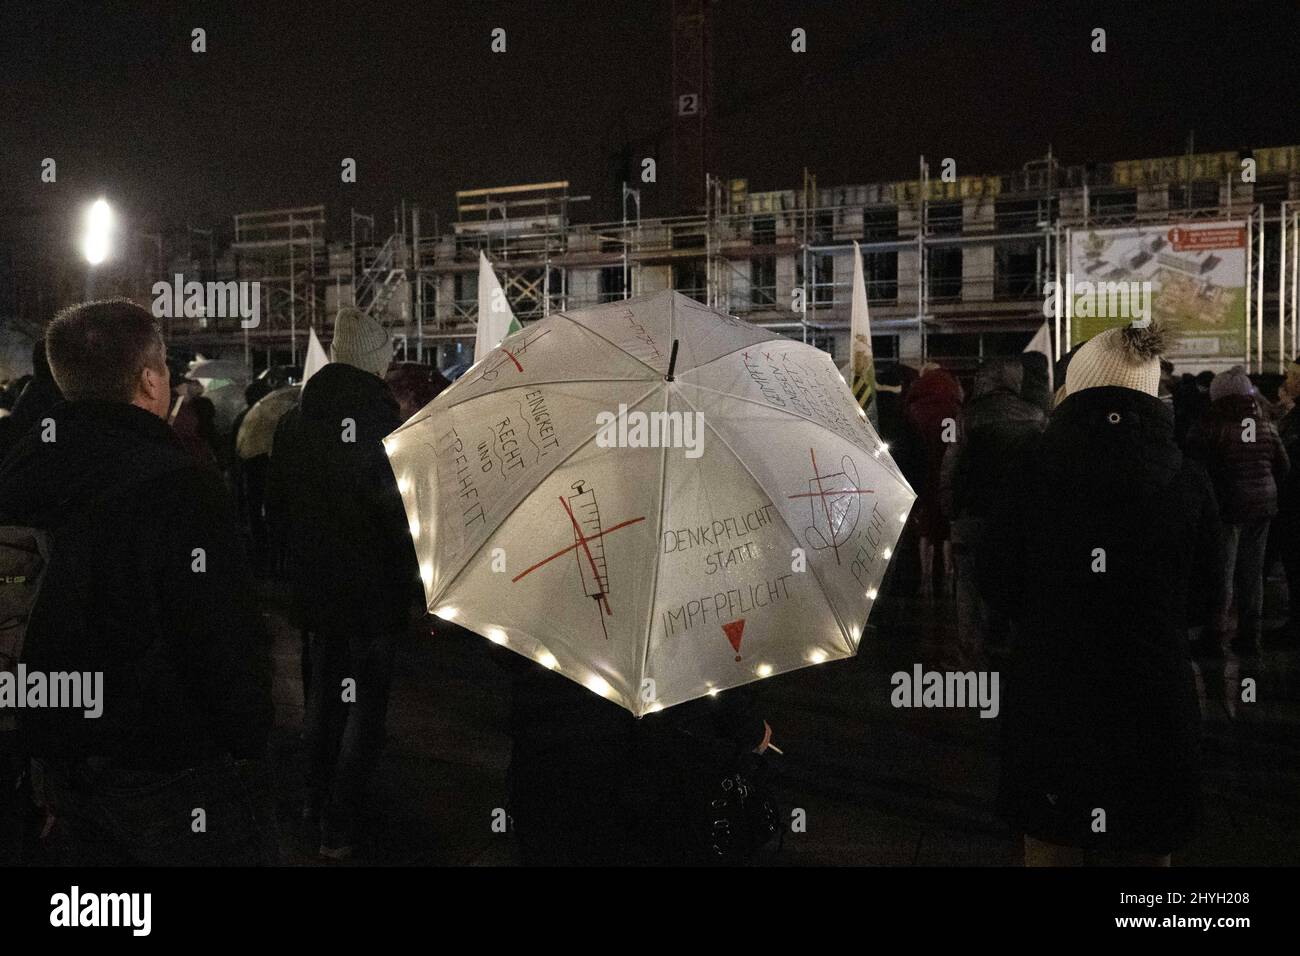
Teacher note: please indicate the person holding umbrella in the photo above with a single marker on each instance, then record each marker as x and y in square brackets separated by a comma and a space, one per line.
[592, 786]
[652, 506]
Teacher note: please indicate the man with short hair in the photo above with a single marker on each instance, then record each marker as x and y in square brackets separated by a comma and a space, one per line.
[147, 585]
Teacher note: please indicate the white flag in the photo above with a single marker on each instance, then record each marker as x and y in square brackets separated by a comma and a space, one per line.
[316, 357]
[860, 373]
[1042, 342]
[495, 320]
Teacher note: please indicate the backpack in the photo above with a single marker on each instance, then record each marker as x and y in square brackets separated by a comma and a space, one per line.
[24, 556]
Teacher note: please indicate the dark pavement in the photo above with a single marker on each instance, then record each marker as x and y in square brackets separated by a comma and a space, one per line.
[880, 786]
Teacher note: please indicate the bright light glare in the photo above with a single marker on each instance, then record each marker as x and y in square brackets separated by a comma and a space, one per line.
[99, 227]
[547, 660]
[496, 635]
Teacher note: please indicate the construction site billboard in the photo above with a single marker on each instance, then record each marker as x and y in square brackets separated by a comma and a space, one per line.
[1189, 277]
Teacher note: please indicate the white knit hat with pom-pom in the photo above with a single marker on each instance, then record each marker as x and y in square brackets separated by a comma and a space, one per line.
[1126, 357]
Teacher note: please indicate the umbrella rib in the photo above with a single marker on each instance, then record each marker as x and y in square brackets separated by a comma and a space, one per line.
[835, 612]
[524, 497]
[636, 358]
[654, 574]
[803, 418]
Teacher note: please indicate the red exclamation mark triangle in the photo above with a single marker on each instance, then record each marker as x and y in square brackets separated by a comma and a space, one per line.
[734, 630]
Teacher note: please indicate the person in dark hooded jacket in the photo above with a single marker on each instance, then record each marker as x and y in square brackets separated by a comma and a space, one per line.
[1102, 554]
[1248, 463]
[1035, 381]
[147, 585]
[351, 563]
[39, 395]
[975, 474]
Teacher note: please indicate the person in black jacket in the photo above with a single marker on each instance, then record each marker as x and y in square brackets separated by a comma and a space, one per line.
[248, 478]
[351, 564]
[975, 474]
[147, 586]
[1101, 553]
[1248, 463]
[39, 395]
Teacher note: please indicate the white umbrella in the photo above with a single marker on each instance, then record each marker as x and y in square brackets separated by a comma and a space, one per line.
[257, 430]
[549, 516]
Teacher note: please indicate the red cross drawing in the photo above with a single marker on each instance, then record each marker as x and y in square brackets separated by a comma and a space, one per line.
[823, 495]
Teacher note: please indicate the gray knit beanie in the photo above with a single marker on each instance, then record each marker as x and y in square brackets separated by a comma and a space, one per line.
[361, 342]
[1234, 381]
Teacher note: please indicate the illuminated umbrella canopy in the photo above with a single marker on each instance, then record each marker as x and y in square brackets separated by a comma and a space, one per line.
[257, 430]
[656, 539]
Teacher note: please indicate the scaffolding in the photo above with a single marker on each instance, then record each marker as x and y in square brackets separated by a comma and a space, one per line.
[285, 251]
[956, 266]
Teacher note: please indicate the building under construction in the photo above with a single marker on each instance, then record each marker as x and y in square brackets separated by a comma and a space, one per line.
[956, 267]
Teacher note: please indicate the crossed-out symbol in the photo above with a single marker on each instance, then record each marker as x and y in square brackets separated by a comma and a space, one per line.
[823, 495]
[489, 374]
[582, 542]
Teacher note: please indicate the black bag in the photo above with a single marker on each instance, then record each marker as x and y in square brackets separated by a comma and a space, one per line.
[742, 816]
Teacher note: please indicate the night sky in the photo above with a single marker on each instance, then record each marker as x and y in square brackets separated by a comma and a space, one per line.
[413, 92]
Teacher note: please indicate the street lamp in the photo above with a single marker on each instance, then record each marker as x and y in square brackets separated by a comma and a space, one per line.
[99, 230]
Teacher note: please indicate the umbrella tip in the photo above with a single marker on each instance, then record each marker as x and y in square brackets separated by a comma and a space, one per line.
[672, 362]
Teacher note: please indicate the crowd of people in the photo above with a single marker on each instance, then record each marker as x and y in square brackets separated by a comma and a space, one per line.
[1098, 540]
[157, 530]
[1095, 537]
